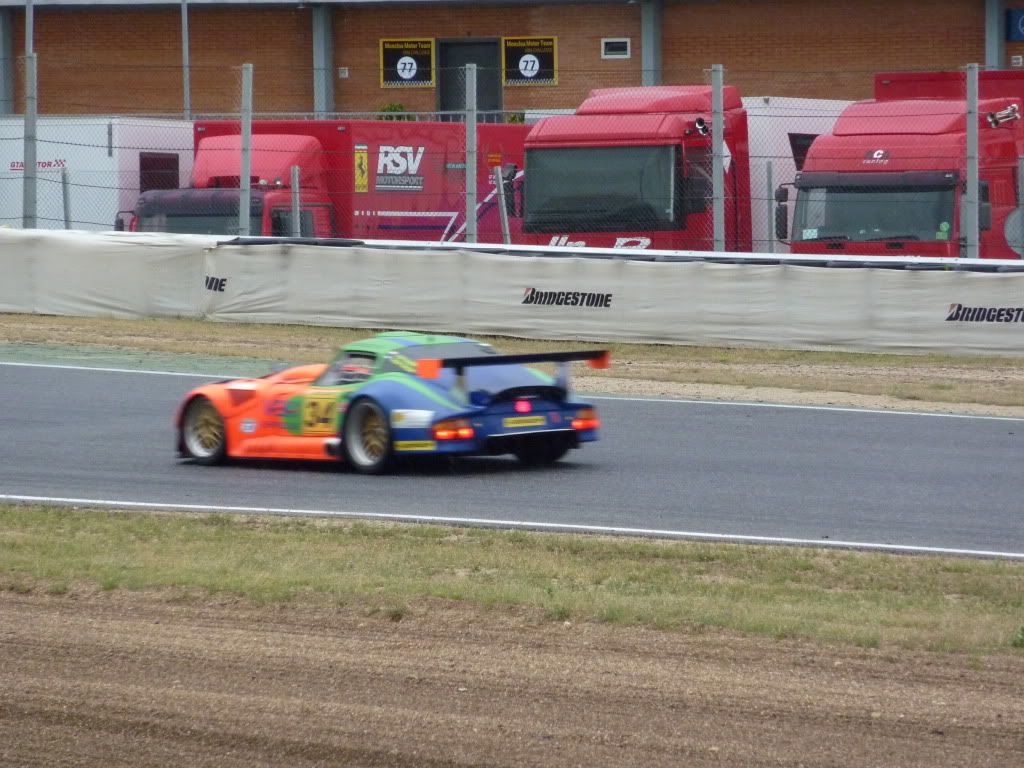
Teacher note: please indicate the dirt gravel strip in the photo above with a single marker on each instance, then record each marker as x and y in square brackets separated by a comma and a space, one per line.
[131, 679]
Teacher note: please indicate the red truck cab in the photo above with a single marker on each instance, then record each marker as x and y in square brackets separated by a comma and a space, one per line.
[632, 167]
[210, 204]
[890, 178]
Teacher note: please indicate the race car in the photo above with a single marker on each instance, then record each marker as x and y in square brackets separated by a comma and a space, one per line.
[391, 396]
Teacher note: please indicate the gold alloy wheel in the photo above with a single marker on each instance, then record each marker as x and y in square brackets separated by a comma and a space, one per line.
[204, 430]
[374, 435]
[367, 437]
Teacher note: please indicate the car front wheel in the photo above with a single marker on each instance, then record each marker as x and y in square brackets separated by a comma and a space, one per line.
[203, 436]
[366, 436]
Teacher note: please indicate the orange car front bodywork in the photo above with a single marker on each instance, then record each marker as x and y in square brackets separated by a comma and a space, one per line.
[281, 416]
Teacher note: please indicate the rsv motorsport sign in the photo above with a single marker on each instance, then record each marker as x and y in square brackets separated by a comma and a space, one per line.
[407, 63]
[398, 168]
[529, 60]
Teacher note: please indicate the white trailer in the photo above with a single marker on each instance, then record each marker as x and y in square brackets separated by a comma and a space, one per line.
[781, 129]
[91, 167]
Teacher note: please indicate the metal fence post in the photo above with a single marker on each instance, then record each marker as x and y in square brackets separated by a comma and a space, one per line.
[29, 190]
[718, 155]
[499, 189]
[65, 189]
[186, 75]
[244, 180]
[1020, 207]
[296, 203]
[770, 202]
[471, 150]
[969, 214]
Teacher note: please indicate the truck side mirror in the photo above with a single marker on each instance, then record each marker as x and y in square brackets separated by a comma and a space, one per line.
[781, 194]
[984, 207]
[781, 220]
[984, 216]
[697, 193]
[511, 190]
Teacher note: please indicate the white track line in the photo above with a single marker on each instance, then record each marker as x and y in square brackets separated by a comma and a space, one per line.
[122, 370]
[797, 407]
[679, 401]
[517, 524]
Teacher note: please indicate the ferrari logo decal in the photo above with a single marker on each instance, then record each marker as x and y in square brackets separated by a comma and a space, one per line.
[362, 169]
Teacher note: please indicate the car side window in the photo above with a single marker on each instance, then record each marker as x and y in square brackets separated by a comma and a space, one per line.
[350, 368]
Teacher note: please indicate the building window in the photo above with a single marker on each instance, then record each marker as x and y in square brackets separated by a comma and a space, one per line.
[615, 48]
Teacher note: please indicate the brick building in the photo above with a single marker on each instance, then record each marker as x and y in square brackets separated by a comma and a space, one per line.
[119, 57]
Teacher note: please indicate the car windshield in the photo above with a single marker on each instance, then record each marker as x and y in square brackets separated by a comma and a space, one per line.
[873, 213]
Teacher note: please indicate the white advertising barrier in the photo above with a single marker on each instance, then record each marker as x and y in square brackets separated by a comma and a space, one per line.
[603, 299]
[706, 303]
[117, 274]
[358, 287]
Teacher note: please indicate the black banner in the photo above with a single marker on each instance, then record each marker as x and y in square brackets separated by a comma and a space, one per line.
[529, 60]
[407, 63]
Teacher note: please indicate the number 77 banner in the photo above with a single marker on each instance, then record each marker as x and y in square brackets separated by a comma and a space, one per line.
[529, 60]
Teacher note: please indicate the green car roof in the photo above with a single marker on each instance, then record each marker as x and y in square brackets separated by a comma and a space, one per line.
[393, 341]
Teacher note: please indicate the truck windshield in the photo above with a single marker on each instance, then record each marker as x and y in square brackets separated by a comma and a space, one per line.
[863, 213]
[601, 189]
[196, 224]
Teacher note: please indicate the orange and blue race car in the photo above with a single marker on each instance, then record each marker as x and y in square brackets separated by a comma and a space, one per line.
[390, 396]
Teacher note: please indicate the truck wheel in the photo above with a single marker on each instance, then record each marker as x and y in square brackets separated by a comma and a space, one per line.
[203, 436]
[366, 437]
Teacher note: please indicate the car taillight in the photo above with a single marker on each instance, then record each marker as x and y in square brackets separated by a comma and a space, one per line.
[586, 418]
[523, 406]
[453, 429]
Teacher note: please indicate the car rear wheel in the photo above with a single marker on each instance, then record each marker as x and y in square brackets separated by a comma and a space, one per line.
[202, 432]
[537, 453]
[367, 437]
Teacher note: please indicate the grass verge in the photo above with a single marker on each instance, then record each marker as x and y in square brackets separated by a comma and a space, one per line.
[855, 598]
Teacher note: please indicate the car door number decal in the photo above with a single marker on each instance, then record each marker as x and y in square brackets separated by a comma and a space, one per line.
[320, 414]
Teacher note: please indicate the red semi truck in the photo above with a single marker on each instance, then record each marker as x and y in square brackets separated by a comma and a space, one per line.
[890, 178]
[630, 168]
[358, 178]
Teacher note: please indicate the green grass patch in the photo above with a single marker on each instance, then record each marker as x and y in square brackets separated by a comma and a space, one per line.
[866, 599]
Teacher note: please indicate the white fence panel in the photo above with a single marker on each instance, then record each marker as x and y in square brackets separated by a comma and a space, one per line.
[779, 305]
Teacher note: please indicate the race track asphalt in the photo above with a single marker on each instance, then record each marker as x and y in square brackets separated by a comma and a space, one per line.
[671, 467]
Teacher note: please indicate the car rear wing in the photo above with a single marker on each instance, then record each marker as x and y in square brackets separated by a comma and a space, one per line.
[595, 358]
[431, 368]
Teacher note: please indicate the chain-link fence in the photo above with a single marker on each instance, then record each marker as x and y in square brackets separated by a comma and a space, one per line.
[925, 163]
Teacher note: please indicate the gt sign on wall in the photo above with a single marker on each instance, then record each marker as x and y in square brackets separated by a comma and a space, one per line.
[407, 63]
[529, 60]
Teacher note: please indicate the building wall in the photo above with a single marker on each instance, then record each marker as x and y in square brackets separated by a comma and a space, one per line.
[103, 60]
[819, 49]
[125, 59]
[579, 30]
